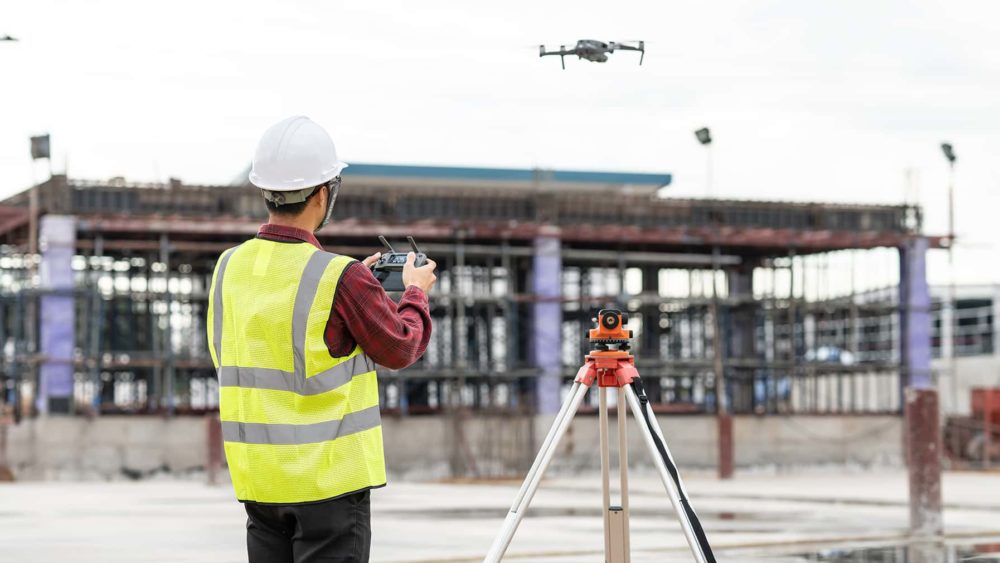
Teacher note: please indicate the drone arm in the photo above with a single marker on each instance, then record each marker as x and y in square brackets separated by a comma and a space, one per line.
[562, 52]
[641, 48]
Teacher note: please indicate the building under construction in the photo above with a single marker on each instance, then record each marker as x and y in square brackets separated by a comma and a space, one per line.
[104, 312]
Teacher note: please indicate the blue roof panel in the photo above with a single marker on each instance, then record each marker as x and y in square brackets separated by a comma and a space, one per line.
[506, 174]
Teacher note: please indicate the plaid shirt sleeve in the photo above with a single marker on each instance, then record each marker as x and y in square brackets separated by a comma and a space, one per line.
[394, 336]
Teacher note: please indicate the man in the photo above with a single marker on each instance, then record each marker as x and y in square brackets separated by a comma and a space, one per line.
[295, 333]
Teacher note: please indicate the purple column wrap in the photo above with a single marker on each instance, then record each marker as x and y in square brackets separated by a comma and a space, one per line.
[920, 405]
[546, 281]
[915, 315]
[57, 241]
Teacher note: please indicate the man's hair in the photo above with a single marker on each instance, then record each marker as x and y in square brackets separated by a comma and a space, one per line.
[291, 209]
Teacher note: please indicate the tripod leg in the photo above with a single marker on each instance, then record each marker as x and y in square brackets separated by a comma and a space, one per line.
[616, 532]
[623, 472]
[564, 412]
[534, 477]
[602, 412]
[693, 533]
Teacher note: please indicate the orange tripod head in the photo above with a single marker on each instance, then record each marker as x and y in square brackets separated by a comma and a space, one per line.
[609, 362]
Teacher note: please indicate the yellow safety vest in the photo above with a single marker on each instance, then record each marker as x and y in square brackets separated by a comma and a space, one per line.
[298, 425]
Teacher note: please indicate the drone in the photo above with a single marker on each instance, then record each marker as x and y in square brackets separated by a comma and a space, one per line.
[7, 38]
[593, 50]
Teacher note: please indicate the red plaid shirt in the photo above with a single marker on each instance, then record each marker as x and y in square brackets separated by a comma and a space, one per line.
[392, 335]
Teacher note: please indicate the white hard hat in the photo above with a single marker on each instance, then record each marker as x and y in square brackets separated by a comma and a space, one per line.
[294, 154]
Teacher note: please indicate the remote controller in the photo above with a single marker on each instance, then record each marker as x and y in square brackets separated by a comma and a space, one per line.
[389, 268]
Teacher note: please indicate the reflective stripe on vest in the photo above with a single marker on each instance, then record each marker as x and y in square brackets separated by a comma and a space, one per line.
[249, 433]
[279, 387]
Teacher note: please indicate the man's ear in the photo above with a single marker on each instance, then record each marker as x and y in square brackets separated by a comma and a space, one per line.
[320, 199]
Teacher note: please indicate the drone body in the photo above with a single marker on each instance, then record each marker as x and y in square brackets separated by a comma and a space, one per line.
[593, 50]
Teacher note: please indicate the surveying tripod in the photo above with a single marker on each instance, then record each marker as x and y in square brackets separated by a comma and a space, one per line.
[609, 364]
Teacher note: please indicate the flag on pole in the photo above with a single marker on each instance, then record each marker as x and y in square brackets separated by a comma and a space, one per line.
[40, 147]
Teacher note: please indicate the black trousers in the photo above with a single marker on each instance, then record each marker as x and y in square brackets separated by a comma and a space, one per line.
[337, 530]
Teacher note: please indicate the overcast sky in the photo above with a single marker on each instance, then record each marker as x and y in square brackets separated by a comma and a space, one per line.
[826, 101]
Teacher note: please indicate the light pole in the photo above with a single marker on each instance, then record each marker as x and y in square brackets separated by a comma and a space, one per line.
[705, 138]
[724, 422]
[949, 153]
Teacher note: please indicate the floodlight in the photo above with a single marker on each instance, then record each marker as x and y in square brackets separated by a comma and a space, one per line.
[949, 152]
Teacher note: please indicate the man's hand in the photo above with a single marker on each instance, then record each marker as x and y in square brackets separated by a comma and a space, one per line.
[370, 261]
[422, 277]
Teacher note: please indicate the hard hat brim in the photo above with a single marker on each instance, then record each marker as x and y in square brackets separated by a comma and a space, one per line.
[293, 184]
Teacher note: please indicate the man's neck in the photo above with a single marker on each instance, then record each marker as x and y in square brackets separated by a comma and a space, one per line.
[285, 221]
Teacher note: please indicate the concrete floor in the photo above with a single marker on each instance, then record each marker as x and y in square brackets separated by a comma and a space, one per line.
[756, 517]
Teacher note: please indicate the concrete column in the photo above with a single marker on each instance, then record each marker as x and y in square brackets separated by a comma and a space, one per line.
[727, 448]
[923, 448]
[215, 453]
[948, 316]
[741, 334]
[651, 331]
[57, 242]
[546, 282]
[737, 330]
[5, 473]
[921, 409]
[996, 315]
[927, 552]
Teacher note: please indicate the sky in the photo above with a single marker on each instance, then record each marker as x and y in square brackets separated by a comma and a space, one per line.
[810, 101]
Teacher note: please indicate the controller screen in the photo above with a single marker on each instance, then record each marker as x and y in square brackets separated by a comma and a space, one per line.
[397, 259]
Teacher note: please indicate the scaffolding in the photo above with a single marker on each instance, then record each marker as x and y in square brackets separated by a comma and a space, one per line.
[805, 296]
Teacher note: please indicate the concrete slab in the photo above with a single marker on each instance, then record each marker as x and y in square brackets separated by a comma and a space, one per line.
[764, 516]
